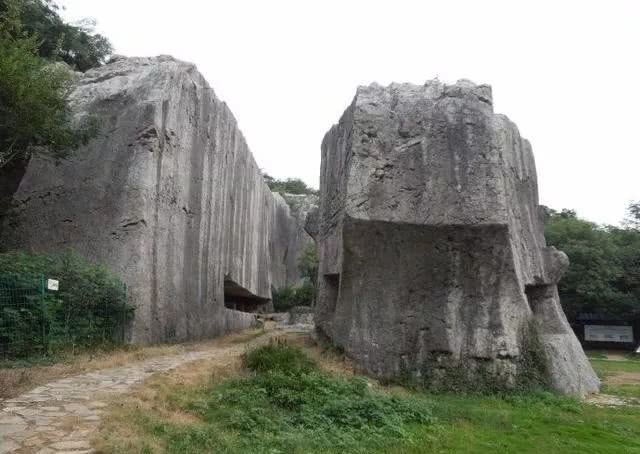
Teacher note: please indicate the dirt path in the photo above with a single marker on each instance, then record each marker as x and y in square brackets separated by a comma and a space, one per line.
[61, 416]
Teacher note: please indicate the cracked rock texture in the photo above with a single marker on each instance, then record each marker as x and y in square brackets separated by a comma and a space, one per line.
[433, 262]
[168, 196]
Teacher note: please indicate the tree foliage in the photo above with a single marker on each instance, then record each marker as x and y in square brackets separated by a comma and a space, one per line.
[288, 186]
[288, 297]
[75, 44]
[308, 263]
[34, 113]
[604, 274]
[633, 215]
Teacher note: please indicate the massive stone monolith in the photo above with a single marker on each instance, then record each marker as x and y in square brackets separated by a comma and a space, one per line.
[433, 262]
[168, 196]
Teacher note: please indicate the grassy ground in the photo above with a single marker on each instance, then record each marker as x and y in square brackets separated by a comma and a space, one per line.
[535, 423]
[621, 376]
[279, 401]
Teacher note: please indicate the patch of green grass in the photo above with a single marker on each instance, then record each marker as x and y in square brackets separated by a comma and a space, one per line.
[595, 354]
[610, 368]
[278, 357]
[605, 354]
[625, 390]
[540, 422]
[604, 367]
[311, 412]
[285, 404]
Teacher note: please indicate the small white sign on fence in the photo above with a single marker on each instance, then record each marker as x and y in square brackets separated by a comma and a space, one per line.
[52, 284]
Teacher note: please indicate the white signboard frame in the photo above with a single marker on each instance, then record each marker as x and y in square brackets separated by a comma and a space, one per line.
[53, 284]
[608, 333]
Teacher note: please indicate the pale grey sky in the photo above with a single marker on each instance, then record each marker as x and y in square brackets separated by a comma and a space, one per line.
[567, 72]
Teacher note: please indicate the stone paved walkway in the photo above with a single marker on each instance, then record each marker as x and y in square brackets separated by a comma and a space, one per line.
[61, 416]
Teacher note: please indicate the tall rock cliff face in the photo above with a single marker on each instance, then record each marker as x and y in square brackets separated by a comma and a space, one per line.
[168, 196]
[433, 262]
[300, 207]
[291, 240]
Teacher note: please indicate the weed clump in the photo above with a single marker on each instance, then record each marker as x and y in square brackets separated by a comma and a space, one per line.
[292, 296]
[286, 403]
[277, 356]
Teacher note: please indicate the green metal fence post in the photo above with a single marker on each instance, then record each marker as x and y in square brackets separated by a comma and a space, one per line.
[43, 310]
[124, 310]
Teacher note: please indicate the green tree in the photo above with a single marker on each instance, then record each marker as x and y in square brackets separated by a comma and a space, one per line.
[34, 114]
[288, 186]
[633, 215]
[308, 263]
[627, 284]
[75, 44]
[604, 274]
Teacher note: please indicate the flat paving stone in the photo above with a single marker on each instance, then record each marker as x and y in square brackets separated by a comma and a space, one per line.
[71, 445]
[11, 419]
[7, 446]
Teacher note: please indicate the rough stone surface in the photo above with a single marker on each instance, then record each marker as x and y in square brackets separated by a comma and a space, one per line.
[290, 239]
[301, 315]
[312, 223]
[300, 206]
[433, 261]
[168, 196]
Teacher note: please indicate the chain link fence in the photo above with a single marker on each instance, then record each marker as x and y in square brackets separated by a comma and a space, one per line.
[37, 321]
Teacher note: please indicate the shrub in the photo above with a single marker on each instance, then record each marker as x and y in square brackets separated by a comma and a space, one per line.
[278, 357]
[90, 307]
[308, 263]
[288, 186]
[289, 405]
[318, 401]
[288, 297]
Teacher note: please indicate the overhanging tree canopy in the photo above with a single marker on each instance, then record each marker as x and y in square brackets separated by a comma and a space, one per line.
[34, 114]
